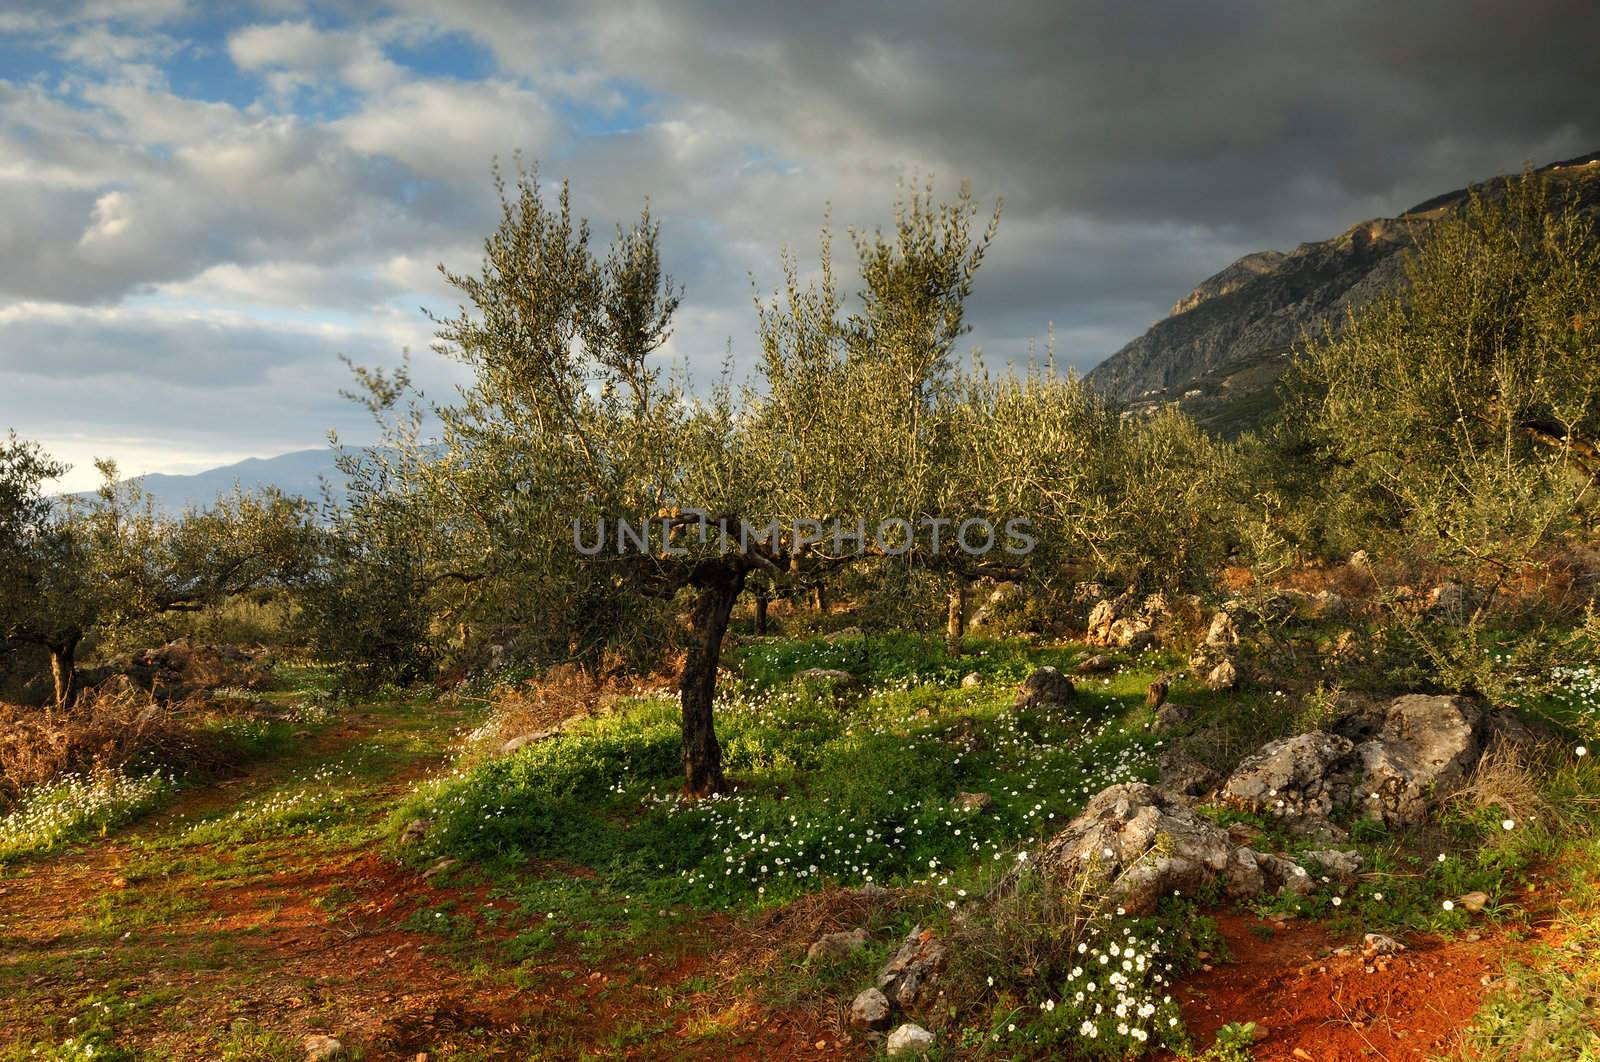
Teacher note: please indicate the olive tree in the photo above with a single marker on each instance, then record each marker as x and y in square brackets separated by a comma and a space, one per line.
[1462, 416]
[109, 566]
[568, 427]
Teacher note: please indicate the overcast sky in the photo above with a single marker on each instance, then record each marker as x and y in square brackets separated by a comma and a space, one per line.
[199, 213]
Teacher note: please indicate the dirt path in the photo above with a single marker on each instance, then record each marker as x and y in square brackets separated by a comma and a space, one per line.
[1312, 1003]
[241, 947]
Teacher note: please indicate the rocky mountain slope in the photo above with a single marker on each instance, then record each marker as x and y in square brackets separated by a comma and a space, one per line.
[1222, 347]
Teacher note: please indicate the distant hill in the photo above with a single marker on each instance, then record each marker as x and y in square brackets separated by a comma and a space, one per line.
[300, 472]
[1222, 348]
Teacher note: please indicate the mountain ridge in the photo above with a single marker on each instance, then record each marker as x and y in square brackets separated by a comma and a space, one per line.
[1229, 338]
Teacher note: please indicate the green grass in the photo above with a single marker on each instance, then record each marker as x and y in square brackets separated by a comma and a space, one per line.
[78, 807]
[833, 790]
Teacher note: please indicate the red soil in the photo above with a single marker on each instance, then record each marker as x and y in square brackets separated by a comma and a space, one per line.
[1318, 1006]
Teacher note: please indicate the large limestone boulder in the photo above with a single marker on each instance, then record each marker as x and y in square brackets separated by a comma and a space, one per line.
[1426, 747]
[1407, 755]
[1144, 843]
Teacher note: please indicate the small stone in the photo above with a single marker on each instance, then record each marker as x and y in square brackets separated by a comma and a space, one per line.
[415, 831]
[972, 803]
[971, 679]
[1302, 1054]
[1380, 944]
[1045, 688]
[909, 1039]
[320, 1048]
[832, 947]
[1095, 664]
[870, 1010]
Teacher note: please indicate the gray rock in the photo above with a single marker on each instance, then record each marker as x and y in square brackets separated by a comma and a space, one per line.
[909, 1040]
[1342, 867]
[1224, 676]
[1380, 944]
[1095, 664]
[910, 979]
[1134, 638]
[870, 1010]
[1142, 843]
[1181, 773]
[1045, 688]
[1222, 634]
[972, 803]
[1423, 747]
[1170, 717]
[831, 947]
[1290, 776]
[874, 892]
[1427, 746]
[320, 1048]
[830, 677]
[1101, 618]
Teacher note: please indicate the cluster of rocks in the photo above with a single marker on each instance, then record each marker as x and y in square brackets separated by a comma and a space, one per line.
[1215, 660]
[908, 983]
[1137, 843]
[1125, 622]
[183, 668]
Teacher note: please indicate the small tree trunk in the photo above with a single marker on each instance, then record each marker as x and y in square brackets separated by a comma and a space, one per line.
[956, 617]
[64, 670]
[718, 585]
[762, 600]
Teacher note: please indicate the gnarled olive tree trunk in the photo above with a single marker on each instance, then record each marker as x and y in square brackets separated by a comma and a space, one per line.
[717, 584]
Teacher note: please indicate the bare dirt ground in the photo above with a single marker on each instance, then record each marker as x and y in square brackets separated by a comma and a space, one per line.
[208, 952]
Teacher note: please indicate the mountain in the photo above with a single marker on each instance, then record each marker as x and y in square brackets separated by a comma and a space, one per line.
[300, 472]
[1221, 349]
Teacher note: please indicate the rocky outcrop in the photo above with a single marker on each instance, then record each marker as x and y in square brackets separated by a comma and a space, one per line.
[910, 980]
[1141, 843]
[1420, 748]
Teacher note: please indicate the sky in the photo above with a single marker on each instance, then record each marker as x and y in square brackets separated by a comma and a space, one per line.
[203, 206]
